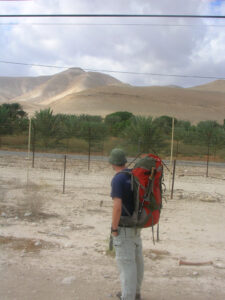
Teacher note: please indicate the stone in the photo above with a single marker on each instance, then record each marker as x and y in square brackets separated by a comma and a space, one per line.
[37, 243]
[27, 214]
[68, 280]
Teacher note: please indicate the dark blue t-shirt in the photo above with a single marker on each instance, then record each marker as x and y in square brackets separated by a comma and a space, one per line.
[121, 188]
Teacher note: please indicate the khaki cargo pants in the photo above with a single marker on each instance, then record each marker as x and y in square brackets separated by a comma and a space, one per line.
[129, 257]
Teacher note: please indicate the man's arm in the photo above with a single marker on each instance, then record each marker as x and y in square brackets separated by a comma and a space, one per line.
[116, 213]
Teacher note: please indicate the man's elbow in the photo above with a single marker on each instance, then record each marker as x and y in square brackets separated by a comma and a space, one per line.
[117, 203]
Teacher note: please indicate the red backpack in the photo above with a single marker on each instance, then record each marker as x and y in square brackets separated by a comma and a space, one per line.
[146, 182]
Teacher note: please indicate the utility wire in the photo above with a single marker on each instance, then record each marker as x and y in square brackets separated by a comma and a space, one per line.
[113, 71]
[33, 65]
[110, 16]
[112, 24]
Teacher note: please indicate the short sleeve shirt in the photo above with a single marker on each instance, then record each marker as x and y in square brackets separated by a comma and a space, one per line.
[121, 188]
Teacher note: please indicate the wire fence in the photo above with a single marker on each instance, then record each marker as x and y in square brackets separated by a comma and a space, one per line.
[93, 144]
[56, 177]
[72, 164]
[69, 175]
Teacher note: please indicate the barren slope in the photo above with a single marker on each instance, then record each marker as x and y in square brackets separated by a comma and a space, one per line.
[214, 86]
[11, 87]
[75, 91]
[186, 104]
[65, 83]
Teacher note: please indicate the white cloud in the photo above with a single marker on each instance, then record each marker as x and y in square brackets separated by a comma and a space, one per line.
[190, 50]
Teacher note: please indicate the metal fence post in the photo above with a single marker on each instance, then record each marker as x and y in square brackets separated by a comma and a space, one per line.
[33, 144]
[89, 147]
[174, 168]
[64, 175]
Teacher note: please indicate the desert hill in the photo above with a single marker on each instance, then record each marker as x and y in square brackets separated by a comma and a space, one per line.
[12, 87]
[215, 86]
[75, 91]
[62, 84]
[155, 101]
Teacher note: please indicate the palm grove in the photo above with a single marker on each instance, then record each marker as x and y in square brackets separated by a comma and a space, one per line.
[80, 133]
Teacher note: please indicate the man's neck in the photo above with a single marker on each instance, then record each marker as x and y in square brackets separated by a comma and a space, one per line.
[119, 168]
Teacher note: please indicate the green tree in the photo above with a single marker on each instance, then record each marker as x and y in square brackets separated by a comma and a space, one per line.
[94, 133]
[165, 124]
[118, 121]
[89, 118]
[15, 110]
[47, 126]
[12, 118]
[143, 132]
[180, 131]
[70, 125]
[191, 136]
[218, 139]
[4, 119]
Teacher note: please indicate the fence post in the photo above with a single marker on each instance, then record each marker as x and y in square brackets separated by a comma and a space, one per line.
[171, 153]
[207, 163]
[64, 175]
[29, 139]
[174, 168]
[28, 150]
[89, 147]
[33, 144]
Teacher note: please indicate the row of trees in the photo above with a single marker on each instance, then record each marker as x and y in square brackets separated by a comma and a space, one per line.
[145, 133]
[13, 119]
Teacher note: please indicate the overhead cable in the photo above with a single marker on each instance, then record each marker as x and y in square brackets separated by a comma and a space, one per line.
[114, 71]
[111, 24]
[110, 16]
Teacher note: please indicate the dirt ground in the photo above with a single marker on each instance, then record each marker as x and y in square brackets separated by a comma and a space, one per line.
[55, 245]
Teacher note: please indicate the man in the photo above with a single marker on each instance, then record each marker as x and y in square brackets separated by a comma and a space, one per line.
[127, 240]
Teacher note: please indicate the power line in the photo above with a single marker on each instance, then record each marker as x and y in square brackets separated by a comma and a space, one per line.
[117, 72]
[33, 65]
[113, 24]
[110, 16]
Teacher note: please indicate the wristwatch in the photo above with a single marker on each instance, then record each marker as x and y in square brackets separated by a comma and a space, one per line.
[114, 230]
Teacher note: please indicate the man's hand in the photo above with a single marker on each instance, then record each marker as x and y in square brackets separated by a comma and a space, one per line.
[114, 233]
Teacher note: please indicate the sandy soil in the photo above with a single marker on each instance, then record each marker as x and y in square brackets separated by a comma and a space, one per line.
[55, 245]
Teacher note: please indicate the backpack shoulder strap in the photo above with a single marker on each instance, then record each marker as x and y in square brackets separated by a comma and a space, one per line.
[128, 172]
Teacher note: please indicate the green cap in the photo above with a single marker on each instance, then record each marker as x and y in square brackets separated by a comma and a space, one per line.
[117, 157]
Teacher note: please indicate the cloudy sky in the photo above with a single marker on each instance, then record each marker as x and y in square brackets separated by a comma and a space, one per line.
[192, 47]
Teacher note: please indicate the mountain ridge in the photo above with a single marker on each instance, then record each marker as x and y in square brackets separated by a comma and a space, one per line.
[76, 91]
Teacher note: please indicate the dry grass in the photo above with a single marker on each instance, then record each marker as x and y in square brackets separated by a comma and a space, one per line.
[25, 244]
[14, 141]
[110, 250]
[23, 213]
[27, 205]
[155, 254]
